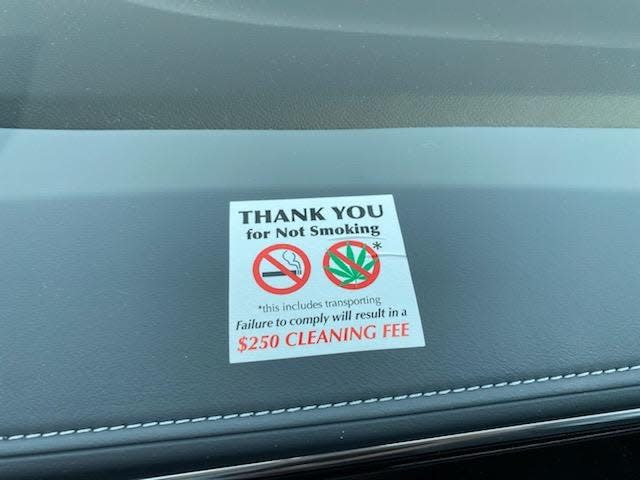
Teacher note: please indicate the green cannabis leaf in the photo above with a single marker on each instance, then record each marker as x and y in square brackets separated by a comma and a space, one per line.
[347, 273]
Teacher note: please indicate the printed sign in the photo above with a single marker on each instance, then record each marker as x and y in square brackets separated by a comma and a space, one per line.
[318, 276]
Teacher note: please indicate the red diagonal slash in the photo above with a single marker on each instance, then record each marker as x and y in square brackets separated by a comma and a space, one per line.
[282, 268]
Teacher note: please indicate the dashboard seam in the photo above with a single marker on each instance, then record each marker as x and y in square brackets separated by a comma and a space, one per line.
[162, 423]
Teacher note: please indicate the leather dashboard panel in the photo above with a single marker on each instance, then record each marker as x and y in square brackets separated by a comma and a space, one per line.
[523, 248]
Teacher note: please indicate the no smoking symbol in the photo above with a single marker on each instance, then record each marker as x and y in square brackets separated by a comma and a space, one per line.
[281, 269]
[351, 264]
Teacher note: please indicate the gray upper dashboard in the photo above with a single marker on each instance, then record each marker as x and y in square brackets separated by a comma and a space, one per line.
[154, 64]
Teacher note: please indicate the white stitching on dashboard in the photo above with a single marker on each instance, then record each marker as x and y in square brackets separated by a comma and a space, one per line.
[212, 418]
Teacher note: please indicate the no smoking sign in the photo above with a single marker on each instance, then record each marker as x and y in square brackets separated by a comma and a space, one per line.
[281, 269]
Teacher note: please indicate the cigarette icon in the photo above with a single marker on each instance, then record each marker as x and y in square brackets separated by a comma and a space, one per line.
[277, 273]
[289, 258]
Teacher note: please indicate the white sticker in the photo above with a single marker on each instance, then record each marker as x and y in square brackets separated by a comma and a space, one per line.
[317, 276]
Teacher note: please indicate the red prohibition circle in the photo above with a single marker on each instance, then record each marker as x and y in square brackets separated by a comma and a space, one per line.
[299, 281]
[370, 277]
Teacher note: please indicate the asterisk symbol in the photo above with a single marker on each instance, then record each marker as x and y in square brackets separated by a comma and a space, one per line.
[377, 245]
